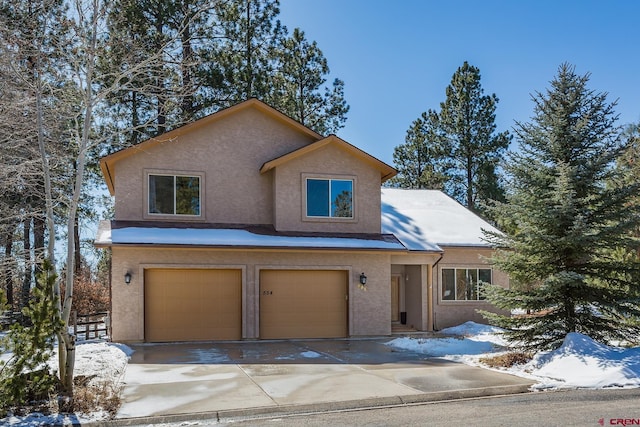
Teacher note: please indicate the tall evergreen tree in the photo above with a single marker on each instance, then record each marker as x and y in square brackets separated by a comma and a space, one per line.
[467, 121]
[168, 91]
[250, 34]
[417, 159]
[629, 162]
[301, 70]
[456, 149]
[571, 216]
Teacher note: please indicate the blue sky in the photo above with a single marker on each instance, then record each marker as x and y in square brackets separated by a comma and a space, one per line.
[396, 57]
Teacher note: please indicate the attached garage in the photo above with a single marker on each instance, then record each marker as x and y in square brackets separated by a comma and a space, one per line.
[192, 304]
[303, 304]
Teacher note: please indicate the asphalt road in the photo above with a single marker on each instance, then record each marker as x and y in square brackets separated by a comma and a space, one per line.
[562, 408]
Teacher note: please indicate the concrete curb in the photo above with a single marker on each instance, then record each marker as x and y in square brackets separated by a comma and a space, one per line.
[283, 410]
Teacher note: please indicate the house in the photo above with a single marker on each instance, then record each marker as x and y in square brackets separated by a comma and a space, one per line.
[419, 218]
[247, 225]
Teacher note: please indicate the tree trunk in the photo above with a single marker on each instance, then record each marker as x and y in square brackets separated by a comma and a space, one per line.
[187, 57]
[135, 118]
[161, 111]
[26, 282]
[8, 272]
[46, 174]
[470, 204]
[77, 270]
[248, 56]
[39, 225]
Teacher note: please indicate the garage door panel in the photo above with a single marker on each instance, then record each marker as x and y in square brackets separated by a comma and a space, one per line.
[193, 304]
[303, 304]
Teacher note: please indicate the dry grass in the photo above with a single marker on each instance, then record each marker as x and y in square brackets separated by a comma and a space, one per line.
[92, 396]
[88, 397]
[506, 360]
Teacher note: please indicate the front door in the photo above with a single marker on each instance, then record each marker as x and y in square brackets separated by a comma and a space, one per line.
[395, 298]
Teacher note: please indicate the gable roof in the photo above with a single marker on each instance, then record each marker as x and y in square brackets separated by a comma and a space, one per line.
[107, 163]
[420, 218]
[386, 171]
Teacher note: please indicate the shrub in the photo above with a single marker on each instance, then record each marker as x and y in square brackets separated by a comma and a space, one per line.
[90, 396]
[89, 296]
[506, 360]
[26, 379]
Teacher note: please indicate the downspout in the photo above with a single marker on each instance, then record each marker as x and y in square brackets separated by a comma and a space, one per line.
[431, 321]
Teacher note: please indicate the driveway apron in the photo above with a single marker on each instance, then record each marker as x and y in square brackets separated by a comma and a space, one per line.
[187, 378]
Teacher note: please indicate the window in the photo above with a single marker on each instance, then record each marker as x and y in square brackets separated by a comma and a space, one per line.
[329, 198]
[464, 284]
[174, 195]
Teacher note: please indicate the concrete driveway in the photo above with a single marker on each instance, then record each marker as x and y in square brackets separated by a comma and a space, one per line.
[232, 379]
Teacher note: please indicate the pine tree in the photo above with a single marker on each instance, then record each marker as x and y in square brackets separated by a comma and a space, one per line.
[629, 162]
[571, 216]
[456, 149]
[301, 70]
[420, 161]
[467, 121]
[245, 54]
[26, 378]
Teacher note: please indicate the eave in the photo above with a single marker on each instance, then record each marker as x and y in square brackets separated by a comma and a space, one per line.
[386, 171]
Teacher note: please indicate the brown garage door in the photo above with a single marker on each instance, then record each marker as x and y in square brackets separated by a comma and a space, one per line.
[303, 304]
[192, 305]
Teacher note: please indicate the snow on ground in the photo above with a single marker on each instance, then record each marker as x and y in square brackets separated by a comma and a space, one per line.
[579, 363]
[104, 361]
[469, 339]
[582, 362]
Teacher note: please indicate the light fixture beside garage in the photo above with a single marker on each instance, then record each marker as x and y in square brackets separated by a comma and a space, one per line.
[127, 278]
[363, 279]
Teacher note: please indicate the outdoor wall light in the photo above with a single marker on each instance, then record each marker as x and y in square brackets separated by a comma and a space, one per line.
[127, 277]
[363, 279]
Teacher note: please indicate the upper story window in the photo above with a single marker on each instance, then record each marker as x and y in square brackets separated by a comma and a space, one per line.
[174, 195]
[329, 198]
[463, 284]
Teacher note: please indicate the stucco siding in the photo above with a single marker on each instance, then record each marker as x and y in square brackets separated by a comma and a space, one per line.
[452, 313]
[229, 152]
[327, 162]
[369, 310]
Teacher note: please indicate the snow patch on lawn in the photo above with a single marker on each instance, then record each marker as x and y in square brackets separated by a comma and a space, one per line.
[101, 361]
[579, 363]
[440, 347]
[583, 363]
[468, 339]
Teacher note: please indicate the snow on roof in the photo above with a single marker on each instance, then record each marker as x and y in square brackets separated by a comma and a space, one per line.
[422, 219]
[233, 237]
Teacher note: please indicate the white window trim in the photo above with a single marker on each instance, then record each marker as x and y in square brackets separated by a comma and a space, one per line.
[174, 173]
[354, 211]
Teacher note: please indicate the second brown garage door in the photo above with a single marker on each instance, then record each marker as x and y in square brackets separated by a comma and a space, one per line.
[192, 305]
[303, 304]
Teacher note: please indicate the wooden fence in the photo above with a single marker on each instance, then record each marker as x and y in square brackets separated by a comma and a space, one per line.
[90, 326]
[85, 326]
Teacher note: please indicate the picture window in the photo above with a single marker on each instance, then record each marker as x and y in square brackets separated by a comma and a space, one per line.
[329, 198]
[174, 195]
[464, 284]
